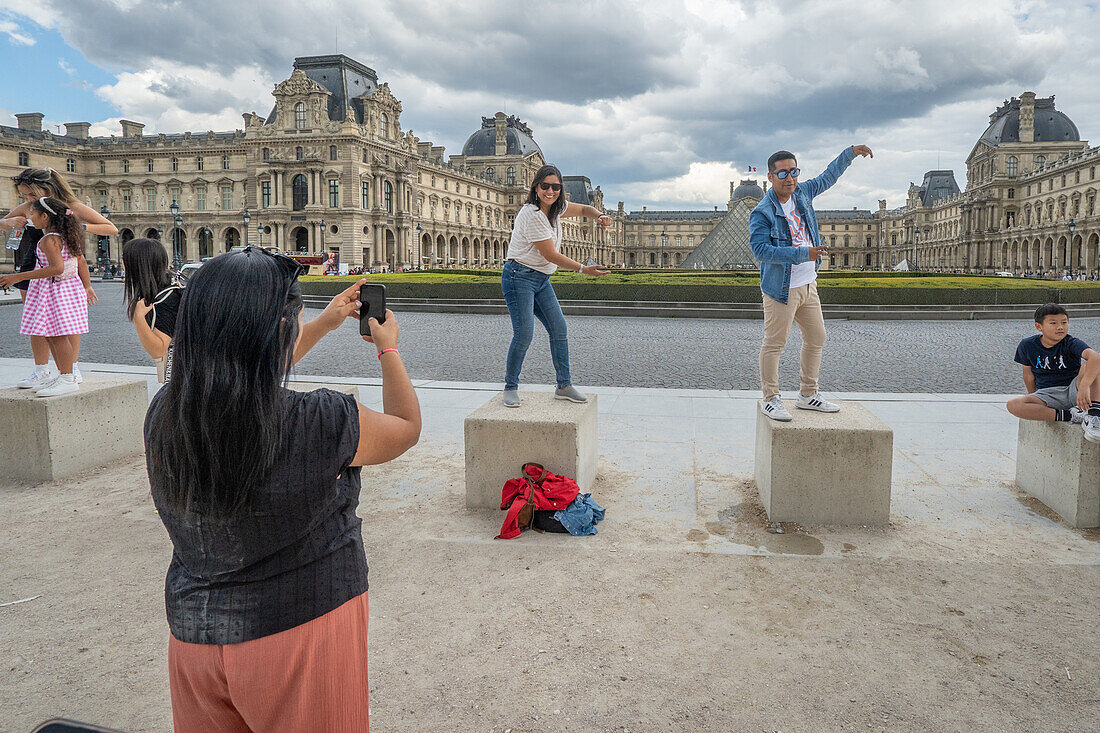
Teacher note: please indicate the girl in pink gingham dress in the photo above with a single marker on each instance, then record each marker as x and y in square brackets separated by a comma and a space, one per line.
[57, 304]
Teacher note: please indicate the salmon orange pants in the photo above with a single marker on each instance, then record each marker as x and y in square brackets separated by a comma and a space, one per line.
[309, 678]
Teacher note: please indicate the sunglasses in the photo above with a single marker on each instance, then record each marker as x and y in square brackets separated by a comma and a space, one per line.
[550, 186]
[793, 172]
[35, 177]
[289, 266]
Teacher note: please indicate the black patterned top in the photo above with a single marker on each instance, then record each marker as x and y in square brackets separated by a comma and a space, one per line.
[298, 553]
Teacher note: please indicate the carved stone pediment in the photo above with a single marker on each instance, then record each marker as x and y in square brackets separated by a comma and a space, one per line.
[383, 97]
[298, 85]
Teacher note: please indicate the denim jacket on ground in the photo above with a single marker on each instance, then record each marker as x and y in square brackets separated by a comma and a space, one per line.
[770, 236]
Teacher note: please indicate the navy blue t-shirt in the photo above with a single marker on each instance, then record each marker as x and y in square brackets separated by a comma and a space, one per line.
[1053, 367]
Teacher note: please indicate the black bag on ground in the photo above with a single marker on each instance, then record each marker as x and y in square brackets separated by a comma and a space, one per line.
[544, 521]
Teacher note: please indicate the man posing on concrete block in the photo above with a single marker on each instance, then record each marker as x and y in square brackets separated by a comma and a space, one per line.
[1058, 389]
[784, 237]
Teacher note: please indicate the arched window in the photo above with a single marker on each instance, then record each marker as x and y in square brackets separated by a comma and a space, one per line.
[387, 197]
[511, 175]
[1040, 161]
[1012, 165]
[300, 116]
[298, 155]
[489, 172]
[300, 192]
[384, 125]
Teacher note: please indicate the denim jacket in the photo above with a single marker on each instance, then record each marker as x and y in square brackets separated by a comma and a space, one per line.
[770, 236]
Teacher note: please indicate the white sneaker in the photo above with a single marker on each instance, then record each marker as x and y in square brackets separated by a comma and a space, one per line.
[37, 378]
[78, 375]
[815, 402]
[1077, 416]
[775, 409]
[1091, 425]
[65, 384]
[47, 383]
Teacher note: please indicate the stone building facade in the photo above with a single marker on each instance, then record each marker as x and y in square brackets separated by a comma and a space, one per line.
[330, 168]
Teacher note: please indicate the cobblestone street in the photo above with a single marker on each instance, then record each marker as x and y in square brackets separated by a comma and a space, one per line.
[872, 356]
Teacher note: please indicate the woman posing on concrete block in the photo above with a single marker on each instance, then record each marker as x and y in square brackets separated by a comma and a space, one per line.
[533, 257]
[257, 486]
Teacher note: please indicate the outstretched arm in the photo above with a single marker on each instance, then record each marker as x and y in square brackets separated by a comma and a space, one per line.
[829, 176]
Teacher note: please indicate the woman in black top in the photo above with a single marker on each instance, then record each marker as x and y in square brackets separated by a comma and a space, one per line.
[152, 296]
[257, 486]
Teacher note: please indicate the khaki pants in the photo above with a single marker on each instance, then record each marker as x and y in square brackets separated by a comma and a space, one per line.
[804, 307]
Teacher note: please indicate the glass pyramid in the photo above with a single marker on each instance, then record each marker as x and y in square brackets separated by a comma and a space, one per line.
[727, 245]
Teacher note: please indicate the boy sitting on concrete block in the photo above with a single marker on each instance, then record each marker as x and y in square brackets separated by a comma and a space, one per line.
[1058, 388]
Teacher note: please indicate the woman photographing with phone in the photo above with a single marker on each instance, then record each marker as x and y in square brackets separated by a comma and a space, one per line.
[533, 257]
[257, 485]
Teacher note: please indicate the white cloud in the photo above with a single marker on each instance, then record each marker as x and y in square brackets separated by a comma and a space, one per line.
[15, 34]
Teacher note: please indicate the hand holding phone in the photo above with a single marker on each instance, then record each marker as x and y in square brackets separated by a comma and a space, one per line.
[372, 296]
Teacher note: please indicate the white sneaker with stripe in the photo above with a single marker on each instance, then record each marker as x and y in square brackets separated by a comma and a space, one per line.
[815, 402]
[775, 409]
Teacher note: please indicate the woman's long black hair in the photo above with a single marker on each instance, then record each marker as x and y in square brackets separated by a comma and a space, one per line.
[219, 425]
[556, 208]
[64, 223]
[146, 264]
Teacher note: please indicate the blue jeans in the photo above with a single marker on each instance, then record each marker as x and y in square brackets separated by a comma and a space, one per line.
[529, 293]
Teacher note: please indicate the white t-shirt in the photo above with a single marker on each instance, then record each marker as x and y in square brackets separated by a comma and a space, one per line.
[532, 226]
[803, 273]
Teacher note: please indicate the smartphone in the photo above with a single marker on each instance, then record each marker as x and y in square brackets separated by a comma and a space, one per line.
[373, 298]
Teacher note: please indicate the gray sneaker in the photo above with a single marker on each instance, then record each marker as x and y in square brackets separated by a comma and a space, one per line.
[1091, 426]
[511, 398]
[775, 409]
[570, 393]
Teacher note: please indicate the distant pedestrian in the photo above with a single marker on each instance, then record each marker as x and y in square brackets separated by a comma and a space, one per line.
[533, 257]
[257, 485]
[784, 237]
[56, 305]
[30, 185]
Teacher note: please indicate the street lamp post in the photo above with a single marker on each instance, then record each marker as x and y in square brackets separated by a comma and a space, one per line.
[664, 243]
[1069, 247]
[322, 235]
[260, 232]
[177, 258]
[105, 247]
[916, 249]
[419, 253]
[247, 218]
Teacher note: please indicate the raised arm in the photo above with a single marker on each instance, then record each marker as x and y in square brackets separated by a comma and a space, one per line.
[573, 210]
[829, 176]
[93, 221]
[385, 435]
[344, 305]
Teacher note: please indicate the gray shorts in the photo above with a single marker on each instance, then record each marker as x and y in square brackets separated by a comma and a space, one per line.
[1060, 398]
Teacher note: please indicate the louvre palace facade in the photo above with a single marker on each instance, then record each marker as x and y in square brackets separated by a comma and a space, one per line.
[331, 169]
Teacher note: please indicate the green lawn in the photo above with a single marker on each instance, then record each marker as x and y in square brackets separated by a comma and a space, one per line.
[846, 279]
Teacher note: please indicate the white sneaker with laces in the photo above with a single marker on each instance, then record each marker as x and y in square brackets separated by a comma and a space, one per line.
[65, 384]
[47, 383]
[1077, 415]
[37, 378]
[1091, 425]
[815, 402]
[775, 409]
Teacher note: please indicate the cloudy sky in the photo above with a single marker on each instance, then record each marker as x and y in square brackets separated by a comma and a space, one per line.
[661, 103]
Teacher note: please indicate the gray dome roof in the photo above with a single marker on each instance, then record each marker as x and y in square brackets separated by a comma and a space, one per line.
[747, 190]
[1050, 124]
[484, 142]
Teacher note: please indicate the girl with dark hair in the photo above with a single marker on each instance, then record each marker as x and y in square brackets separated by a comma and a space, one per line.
[32, 184]
[533, 257]
[257, 485]
[56, 305]
[152, 299]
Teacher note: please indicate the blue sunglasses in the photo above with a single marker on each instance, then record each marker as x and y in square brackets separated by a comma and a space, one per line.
[783, 174]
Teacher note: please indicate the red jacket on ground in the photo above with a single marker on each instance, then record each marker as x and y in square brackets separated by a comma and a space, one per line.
[552, 493]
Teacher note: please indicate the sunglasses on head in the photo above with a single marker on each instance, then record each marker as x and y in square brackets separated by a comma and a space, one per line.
[289, 266]
[33, 177]
[793, 172]
[550, 186]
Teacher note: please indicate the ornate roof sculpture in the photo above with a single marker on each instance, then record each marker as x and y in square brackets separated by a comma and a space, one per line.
[727, 245]
[517, 136]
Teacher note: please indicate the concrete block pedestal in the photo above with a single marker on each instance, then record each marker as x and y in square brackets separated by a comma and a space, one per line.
[825, 468]
[560, 435]
[49, 438]
[1056, 465]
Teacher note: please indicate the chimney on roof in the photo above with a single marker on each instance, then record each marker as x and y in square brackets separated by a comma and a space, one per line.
[500, 124]
[78, 129]
[131, 129]
[1027, 117]
[620, 207]
[30, 121]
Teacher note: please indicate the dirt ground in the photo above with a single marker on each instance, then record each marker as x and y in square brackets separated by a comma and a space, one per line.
[647, 626]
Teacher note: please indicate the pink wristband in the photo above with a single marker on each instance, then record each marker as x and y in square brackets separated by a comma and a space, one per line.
[383, 351]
